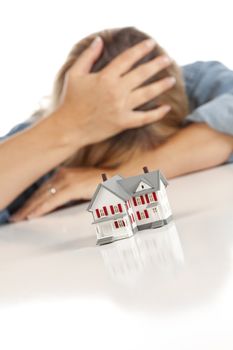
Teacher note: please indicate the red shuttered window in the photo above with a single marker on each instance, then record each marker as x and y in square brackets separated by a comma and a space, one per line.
[134, 201]
[105, 211]
[138, 215]
[146, 213]
[97, 213]
[147, 198]
[120, 208]
[154, 196]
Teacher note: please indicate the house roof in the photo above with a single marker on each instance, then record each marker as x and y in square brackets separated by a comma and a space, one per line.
[125, 188]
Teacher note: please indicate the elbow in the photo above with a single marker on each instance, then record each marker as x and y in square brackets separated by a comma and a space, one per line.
[220, 149]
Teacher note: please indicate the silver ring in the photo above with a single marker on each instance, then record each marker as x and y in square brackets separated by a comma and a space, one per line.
[52, 191]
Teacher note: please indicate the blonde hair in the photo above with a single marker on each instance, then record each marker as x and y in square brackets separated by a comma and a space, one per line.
[117, 149]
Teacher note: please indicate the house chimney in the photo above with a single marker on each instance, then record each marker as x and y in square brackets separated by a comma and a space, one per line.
[104, 177]
[145, 169]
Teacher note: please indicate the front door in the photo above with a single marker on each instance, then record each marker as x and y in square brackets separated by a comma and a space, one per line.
[156, 213]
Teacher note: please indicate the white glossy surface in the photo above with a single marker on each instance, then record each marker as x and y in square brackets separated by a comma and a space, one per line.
[171, 288]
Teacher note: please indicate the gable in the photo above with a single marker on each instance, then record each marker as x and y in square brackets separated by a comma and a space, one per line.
[142, 186]
[104, 197]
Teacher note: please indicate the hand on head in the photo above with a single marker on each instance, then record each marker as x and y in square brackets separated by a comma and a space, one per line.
[102, 104]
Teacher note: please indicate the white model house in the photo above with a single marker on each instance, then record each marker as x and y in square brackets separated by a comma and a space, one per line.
[122, 206]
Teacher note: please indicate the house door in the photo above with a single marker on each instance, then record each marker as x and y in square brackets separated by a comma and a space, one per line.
[156, 213]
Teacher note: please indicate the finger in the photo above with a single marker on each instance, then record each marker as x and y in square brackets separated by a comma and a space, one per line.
[144, 94]
[45, 207]
[123, 62]
[139, 119]
[139, 75]
[40, 196]
[29, 206]
[86, 60]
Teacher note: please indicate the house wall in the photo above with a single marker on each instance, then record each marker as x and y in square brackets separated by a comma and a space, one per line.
[108, 229]
[140, 208]
[163, 199]
[161, 212]
[106, 198]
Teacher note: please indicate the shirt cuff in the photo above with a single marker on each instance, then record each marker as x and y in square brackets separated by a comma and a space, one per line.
[4, 216]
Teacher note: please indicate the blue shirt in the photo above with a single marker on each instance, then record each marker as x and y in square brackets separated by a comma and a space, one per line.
[209, 87]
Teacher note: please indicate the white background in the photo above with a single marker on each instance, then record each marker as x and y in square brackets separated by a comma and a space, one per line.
[36, 36]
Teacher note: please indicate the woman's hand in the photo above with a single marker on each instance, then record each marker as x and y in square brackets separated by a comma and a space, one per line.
[66, 185]
[102, 104]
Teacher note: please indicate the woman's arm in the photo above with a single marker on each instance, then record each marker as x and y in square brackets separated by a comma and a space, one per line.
[28, 155]
[193, 148]
[93, 107]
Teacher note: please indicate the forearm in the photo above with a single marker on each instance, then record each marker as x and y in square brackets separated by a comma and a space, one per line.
[193, 148]
[28, 155]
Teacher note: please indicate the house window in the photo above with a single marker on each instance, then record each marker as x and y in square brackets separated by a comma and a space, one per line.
[102, 212]
[115, 209]
[119, 223]
[138, 200]
[143, 216]
[152, 197]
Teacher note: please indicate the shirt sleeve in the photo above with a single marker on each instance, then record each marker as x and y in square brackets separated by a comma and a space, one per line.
[209, 86]
[20, 200]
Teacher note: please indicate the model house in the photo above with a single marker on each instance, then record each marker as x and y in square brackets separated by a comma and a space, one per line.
[122, 206]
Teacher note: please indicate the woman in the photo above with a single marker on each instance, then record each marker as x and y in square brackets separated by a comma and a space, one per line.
[92, 107]
[164, 143]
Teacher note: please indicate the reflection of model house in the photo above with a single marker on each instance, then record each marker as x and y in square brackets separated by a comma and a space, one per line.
[127, 261]
[120, 206]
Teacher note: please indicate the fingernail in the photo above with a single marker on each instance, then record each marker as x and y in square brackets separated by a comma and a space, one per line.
[171, 80]
[31, 216]
[150, 43]
[167, 108]
[96, 41]
[15, 219]
[166, 59]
